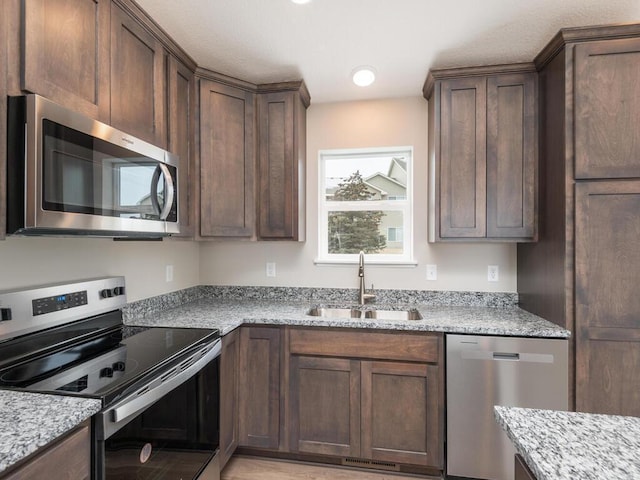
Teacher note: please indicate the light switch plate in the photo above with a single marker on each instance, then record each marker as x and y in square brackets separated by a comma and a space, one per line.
[493, 273]
[271, 269]
[432, 272]
[168, 273]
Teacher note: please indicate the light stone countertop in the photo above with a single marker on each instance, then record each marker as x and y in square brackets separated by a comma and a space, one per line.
[29, 421]
[570, 446]
[226, 315]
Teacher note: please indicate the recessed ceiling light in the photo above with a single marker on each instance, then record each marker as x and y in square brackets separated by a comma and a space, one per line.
[300, 2]
[364, 76]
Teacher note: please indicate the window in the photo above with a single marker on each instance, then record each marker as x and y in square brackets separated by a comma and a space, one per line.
[365, 204]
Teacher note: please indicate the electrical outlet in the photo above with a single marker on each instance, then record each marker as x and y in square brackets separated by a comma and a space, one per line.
[493, 273]
[432, 272]
[271, 269]
[168, 273]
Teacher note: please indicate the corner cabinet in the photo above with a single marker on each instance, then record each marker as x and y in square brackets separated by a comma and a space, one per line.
[227, 160]
[282, 161]
[367, 396]
[483, 153]
[252, 159]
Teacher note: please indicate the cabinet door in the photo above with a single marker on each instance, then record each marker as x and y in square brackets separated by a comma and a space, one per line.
[462, 166]
[229, 381]
[324, 398]
[607, 106]
[511, 155]
[281, 156]
[607, 301]
[401, 415]
[69, 458]
[180, 130]
[137, 79]
[66, 53]
[260, 387]
[226, 161]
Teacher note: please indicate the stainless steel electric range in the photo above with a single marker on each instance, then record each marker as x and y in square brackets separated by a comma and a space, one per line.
[159, 387]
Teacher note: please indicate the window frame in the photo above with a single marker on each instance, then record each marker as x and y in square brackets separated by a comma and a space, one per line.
[405, 206]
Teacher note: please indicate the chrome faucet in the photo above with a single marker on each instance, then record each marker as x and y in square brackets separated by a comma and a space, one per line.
[363, 296]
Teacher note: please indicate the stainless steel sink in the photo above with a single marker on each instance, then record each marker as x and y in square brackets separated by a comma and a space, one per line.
[335, 312]
[411, 314]
[326, 312]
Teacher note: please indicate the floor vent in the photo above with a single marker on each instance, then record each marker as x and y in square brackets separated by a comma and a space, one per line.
[358, 462]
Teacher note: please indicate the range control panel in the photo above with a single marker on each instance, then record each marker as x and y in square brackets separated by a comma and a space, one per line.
[41, 307]
[59, 302]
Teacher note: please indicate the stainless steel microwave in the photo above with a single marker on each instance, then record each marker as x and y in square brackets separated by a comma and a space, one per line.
[68, 174]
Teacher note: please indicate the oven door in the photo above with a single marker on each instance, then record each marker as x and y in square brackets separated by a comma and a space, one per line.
[167, 428]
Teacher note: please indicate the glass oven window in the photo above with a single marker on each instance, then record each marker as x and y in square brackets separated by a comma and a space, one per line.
[84, 174]
[173, 439]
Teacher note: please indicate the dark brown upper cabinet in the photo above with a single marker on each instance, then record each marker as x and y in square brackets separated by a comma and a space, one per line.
[180, 129]
[66, 53]
[282, 161]
[607, 102]
[137, 79]
[483, 153]
[227, 160]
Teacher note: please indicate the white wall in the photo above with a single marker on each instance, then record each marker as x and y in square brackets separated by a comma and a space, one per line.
[34, 261]
[395, 122]
[392, 122]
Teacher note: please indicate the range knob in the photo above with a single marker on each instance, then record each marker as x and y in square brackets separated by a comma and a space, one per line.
[106, 293]
[106, 372]
[118, 291]
[118, 367]
[5, 314]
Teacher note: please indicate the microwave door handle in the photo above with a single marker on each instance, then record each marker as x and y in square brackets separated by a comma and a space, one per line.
[170, 191]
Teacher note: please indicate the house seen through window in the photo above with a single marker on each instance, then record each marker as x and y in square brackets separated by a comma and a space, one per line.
[365, 204]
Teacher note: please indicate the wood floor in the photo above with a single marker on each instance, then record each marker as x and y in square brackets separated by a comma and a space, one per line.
[254, 468]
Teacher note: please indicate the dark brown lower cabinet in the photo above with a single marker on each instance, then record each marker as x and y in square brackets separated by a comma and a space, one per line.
[229, 381]
[259, 392]
[325, 406]
[522, 472]
[66, 459]
[399, 412]
[341, 404]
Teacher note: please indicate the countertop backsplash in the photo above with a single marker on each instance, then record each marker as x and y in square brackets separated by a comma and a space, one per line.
[313, 295]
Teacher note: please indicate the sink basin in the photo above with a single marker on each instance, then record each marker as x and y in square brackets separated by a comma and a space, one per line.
[410, 314]
[335, 312]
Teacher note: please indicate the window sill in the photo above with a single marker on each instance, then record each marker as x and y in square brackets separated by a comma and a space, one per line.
[382, 263]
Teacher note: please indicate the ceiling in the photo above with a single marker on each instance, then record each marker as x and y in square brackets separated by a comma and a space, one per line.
[265, 41]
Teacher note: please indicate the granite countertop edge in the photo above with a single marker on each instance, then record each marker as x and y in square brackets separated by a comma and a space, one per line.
[227, 315]
[560, 445]
[29, 421]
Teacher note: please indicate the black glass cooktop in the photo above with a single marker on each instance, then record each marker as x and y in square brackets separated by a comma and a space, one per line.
[107, 360]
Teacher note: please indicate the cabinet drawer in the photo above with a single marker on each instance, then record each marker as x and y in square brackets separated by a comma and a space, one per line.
[387, 346]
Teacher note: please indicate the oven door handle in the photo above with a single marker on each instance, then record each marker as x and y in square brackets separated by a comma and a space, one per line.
[159, 387]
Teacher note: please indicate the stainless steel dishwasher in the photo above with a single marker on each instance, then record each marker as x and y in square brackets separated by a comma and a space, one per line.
[484, 371]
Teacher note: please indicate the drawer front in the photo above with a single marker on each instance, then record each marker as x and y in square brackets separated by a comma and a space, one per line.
[386, 346]
[69, 458]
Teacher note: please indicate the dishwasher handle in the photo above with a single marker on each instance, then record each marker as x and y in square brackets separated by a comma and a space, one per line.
[478, 354]
[506, 356]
